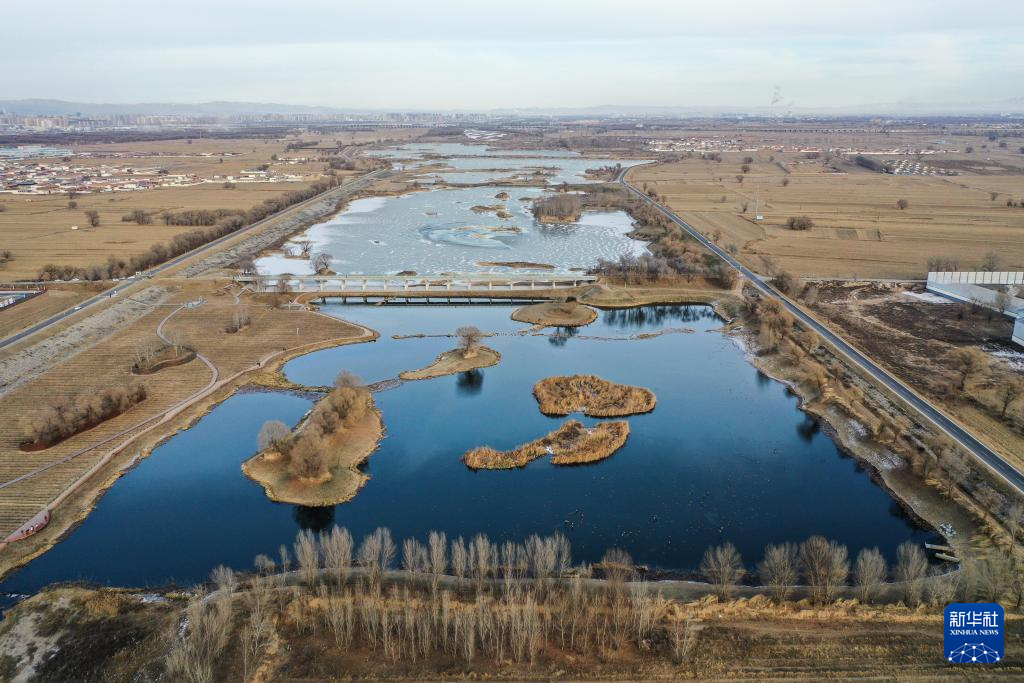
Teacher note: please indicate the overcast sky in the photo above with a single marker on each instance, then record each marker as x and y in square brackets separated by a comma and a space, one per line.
[455, 54]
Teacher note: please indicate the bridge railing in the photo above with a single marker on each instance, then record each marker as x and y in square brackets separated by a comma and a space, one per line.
[455, 281]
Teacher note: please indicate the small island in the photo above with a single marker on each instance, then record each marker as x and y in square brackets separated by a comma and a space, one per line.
[317, 464]
[592, 396]
[469, 355]
[571, 444]
[556, 314]
[560, 208]
[519, 265]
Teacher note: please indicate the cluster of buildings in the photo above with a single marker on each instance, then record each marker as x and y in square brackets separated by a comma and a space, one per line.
[909, 167]
[41, 177]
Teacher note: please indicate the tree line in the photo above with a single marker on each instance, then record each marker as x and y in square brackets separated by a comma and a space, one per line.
[214, 224]
[66, 416]
[466, 601]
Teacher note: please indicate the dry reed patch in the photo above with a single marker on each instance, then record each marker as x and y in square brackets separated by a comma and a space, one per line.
[571, 444]
[453, 362]
[592, 396]
[556, 314]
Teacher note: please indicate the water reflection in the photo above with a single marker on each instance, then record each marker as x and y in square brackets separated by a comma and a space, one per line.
[632, 318]
[808, 428]
[314, 518]
[469, 383]
[561, 336]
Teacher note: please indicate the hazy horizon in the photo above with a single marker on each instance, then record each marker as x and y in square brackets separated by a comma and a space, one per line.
[460, 56]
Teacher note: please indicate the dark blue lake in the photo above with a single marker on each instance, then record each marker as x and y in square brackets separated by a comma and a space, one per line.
[726, 455]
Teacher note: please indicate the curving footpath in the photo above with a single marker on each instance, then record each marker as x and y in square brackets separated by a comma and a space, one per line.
[995, 462]
[155, 421]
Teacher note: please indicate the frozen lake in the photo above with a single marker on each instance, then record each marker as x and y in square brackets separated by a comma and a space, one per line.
[437, 231]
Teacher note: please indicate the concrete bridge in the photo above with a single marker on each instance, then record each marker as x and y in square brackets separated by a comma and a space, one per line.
[439, 284]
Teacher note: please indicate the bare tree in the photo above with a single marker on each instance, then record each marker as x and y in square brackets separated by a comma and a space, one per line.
[825, 566]
[902, 204]
[1008, 392]
[337, 551]
[460, 558]
[723, 568]
[272, 433]
[617, 565]
[93, 217]
[967, 362]
[437, 545]
[869, 574]
[1014, 520]
[911, 570]
[469, 337]
[990, 500]
[778, 569]
[990, 262]
[305, 248]
[320, 262]
[799, 223]
[307, 553]
[1003, 301]
[377, 552]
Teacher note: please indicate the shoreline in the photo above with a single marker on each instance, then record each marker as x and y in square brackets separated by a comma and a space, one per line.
[904, 490]
[123, 458]
[452, 362]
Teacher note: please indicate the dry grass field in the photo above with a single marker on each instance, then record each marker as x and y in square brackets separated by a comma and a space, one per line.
[37, 229]
[858, 229]
[107, 364]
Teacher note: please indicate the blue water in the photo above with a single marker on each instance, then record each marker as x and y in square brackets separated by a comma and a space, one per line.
[726, 455]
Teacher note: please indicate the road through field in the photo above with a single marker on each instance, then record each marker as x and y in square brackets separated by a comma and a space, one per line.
[986, 455]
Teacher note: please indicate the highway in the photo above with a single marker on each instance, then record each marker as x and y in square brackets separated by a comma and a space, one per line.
[983, 453]
[126, 284]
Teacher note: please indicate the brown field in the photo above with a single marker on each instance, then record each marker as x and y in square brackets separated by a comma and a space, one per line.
[571, 444]
[858, 230]
[273, 334]
[592, 395]
[37, 229]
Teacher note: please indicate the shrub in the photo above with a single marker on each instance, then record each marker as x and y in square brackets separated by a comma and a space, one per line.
[799, 223]
[67, 416]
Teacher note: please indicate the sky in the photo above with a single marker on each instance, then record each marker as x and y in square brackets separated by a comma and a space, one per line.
[480, 55]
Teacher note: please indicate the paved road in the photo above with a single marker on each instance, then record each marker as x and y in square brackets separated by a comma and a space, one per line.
[986, 455]
[125, 284]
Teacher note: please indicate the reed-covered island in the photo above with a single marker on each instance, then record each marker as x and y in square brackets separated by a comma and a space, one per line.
[571, 444]
[317, 464]
[591, 395]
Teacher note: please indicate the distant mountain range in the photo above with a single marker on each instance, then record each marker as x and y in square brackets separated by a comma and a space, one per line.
[43, 107]
[53, 107]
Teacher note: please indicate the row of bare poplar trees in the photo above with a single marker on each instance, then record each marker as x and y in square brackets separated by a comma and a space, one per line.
[477, 599]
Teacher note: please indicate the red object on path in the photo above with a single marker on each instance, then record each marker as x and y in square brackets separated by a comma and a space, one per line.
[30, 527]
